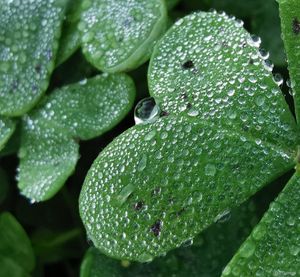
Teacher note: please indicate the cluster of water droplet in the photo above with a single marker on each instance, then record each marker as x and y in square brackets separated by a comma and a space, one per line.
[7, 127]
[29, 33]
[208, 66]
[155, 184]
[118, 36]
[274, 245]
[85, 110]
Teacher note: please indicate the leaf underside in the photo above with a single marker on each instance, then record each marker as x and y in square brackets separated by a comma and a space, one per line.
[118, 37]
[227, 133]
[290, 26]
[25, 67]
[49, 152]
[273, 247]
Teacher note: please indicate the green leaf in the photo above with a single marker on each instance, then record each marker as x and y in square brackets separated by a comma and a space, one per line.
[13, 144]
[158, 185]
[85, 110]
[29, 36]
[205, 256]
[15, 246]
[7, 127]
[273, 247]
[290, 25]
[3, 185]
[48, 157]
[118, 37]
[9, 267]
[209, 66]
[70, 39]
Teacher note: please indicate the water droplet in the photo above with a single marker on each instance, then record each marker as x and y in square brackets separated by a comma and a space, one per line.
[247, 249]
[124, 194]
[223, 216]
[259, 100]
[259, 231]
[193, 112]
[146, 111]
[210, 170]
[278, 79]
[142, 163]
[150, 135]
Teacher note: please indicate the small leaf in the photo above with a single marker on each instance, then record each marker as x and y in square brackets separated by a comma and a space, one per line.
[48, 157]
[120, 37]
[273, 247]
[158, 185]
[290, 25]
[85, 110]
[29, 36]
[15, 246]
[209, 65]
[204, 256]
[7, 127]
[70, 39]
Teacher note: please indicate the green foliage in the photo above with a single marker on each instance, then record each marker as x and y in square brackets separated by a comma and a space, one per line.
[277, 233]
[290, 24]
[197, 134]
[205, 256]
[7, 127]
[49, 148]
[16, 254]
[120, 37]
[173, 189]
[25, 67]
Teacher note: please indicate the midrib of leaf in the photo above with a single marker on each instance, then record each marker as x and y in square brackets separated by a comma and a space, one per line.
[290, 25]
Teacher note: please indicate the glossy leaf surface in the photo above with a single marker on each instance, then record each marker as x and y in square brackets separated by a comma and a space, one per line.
[290, 25]
[25, 67]
[118, 37]
[273, 248]
[85, 110]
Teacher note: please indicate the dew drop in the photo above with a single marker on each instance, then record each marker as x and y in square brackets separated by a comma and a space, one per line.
[146, 111]
[210, 170]
[247, 249]
[142, 163]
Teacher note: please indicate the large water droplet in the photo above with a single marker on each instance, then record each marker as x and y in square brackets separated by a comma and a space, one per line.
[124, 194]
[223, 216]
[142, 163]
[146, 111]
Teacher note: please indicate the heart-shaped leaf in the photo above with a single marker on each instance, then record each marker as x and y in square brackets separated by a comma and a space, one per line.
[204, 256]
[25, 67]
[16, 253]
[7, 127]
[48, 153]
[161, 183]
[273, 247]
[118, 37]
[290, 25]
[208, 65]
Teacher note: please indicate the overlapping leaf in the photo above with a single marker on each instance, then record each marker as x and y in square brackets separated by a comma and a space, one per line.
[119, 37]
[208, 65]
[207, 256]
[16, 254]
[290, 25]
[29, 34]
[7, 127]
[70, 40]
[49, 152]
[273, 247]
[159, 184]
